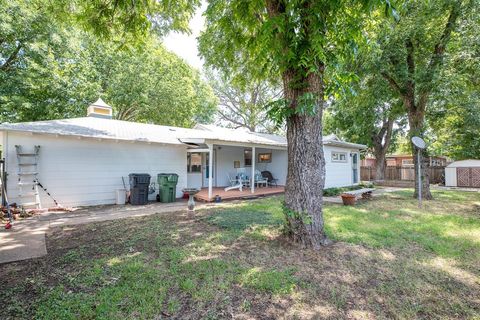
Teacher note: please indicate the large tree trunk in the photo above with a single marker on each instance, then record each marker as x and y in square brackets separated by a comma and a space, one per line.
[380, 165]
[381, 143]
[416, 122]
[306, 167]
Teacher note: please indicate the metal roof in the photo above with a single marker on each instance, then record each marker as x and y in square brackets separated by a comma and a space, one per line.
[464, 164]
[93, 127]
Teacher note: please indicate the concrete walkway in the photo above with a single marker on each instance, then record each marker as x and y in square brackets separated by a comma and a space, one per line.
[26, 239]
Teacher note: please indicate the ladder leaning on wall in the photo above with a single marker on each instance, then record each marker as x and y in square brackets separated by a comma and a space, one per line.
[27, 178]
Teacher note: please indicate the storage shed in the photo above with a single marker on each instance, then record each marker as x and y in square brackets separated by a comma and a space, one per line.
[464, 173]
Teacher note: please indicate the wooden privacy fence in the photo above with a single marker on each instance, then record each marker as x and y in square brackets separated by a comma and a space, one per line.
[402, 173]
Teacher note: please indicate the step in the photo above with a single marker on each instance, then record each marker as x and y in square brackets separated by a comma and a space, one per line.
[29, 194]
[27, 173]
[27, 154]
[27, 183]
[29, 204]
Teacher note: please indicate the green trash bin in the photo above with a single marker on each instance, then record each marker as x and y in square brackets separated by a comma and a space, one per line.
[167, 186]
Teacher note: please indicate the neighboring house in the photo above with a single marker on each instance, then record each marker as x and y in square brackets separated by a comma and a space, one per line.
[464, 173]
[403, 160]
[82, 160]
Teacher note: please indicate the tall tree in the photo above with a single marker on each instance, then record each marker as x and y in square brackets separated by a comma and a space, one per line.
[414, 48]
[242, 102]
[150, 84]
[368, 113]
[60, 69]
[301, 42]
[454, 115]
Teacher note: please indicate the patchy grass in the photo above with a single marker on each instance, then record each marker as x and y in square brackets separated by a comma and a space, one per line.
[390, 260]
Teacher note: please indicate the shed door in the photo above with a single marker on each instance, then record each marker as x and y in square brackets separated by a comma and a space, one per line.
[468, 177]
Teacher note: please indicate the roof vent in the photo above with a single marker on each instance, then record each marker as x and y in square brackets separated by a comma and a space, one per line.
[99, 109]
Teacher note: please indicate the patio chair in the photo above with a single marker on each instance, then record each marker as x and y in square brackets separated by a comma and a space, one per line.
[260, 179]
[232, 179]
[271, 180]
[238, 185]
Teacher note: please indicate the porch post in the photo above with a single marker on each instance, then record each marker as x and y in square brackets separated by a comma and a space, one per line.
[210, 170]
[252, 181]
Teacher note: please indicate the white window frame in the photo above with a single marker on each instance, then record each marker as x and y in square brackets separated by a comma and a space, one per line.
[334, 157]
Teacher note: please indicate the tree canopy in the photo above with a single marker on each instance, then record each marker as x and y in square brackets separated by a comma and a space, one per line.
[50, 69]
[243, 102]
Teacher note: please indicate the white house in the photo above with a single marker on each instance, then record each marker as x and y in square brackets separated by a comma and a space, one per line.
[81, 161]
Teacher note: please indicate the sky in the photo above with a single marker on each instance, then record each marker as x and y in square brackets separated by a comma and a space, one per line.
[185, 45]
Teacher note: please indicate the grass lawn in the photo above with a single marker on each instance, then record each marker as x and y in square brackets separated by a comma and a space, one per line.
[390, 260]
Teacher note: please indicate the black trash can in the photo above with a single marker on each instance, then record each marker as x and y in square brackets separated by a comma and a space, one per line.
[139, 183]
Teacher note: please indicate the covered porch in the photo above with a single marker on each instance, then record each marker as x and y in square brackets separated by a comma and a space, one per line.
[213, 166]
[237, 194]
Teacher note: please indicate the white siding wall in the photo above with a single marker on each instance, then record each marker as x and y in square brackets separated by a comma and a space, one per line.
[339, 174]
[87, 171]
[226, 155]
[194, 180]
[450, 177]
[278, 166]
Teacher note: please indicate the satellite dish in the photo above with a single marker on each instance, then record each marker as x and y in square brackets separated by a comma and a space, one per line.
[418, 142]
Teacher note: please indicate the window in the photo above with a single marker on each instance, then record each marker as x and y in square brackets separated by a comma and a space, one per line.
[407, 162]
[264, 157]
[194, 162]
[339, 157]
[248, 158]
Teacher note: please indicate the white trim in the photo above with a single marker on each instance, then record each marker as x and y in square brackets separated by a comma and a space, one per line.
[198, 150]
[252, 179]
[246, 145]
[210, 171]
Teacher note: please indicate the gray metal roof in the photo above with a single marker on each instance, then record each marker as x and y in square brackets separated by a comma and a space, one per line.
[93, 127]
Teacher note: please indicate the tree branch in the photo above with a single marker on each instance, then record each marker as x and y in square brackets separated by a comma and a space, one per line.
[12, 57]
[393, 84]
[438, 54]
[410, 83]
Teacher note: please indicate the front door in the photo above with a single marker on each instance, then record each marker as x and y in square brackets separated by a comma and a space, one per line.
[206, 171]
[355, 168]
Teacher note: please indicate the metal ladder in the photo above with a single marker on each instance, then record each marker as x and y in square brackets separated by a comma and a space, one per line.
[27, 177]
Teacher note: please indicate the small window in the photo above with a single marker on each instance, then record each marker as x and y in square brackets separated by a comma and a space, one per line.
[339, 157]
[264, 157]
[407, 162]
[194, 162]
[248, 158]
